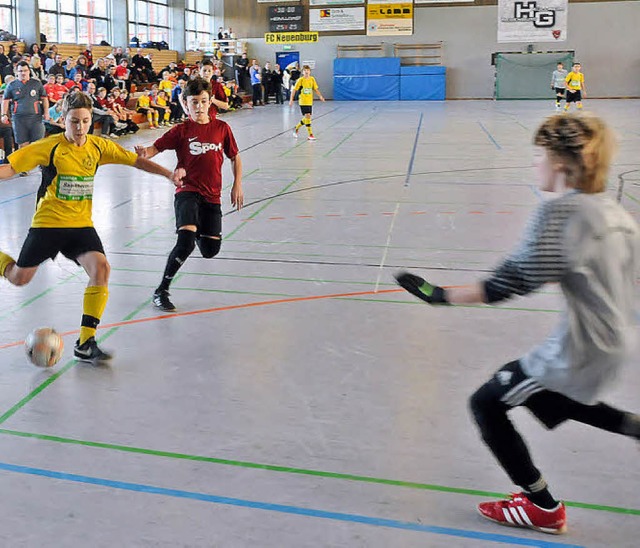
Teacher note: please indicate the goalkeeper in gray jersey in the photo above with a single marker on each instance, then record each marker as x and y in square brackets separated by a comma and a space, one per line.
[584, 241]
[559, 84]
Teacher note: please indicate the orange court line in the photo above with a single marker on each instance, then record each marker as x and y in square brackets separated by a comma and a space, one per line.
[232, 307]
[222, 309]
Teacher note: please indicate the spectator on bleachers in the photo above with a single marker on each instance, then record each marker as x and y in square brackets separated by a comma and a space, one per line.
[188, 72]
[110, 81]
[148, 67]
[13, 50]
[123, 74]
[55, 124]
[137, 65]
[78, 81]
[57, 67]
[49, 61]
[161, 104]
[119, 105]
[143, 106]
[5, 64]
[69, 67]
[97, 72]
[35, 66]
[54, 88]
[34, 49]
[177, 113]
[8, 79]
[166, 84]
[81, 65]
[88, 55]
[100, 115]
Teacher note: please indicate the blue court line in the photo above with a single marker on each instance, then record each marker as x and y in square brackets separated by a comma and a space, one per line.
[413, 152]
[17, 198]
[296, 510]
[122, 203]
[489, 135]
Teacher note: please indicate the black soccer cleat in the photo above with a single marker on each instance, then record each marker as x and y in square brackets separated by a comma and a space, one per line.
[89, 351]
[161, 300]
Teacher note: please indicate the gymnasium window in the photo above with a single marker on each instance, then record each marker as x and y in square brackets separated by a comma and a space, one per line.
[197, 24]
[75, 21]
[7, 15]
[149, 21]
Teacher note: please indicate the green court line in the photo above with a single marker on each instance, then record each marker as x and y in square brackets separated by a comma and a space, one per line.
[205, 290]
[33, 299]
[141, 237]
[24, 401]
[268, 203]
[301, 471]
[632, 198]
[483, 306]
[256, 277]
[339, 143]
[374, 246]
[302, 142]
[244, 176]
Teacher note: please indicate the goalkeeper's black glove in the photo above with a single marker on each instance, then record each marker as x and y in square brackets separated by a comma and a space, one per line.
[422, 289]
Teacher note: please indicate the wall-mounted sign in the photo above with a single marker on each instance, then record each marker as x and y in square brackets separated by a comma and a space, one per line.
[330, 19]
[388, 18]
[290, 37]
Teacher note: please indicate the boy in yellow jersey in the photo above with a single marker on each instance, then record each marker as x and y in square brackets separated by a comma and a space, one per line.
[307, 85]
[143, 106]
[62, 222]
[575, 87]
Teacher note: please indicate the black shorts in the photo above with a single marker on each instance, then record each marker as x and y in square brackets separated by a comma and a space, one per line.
[514, 388]
[574, 97]
[45, 243]
[560, 91]
[192, 209]
[306, 109]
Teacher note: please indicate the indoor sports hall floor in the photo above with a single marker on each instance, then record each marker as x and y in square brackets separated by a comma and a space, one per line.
[297, 398]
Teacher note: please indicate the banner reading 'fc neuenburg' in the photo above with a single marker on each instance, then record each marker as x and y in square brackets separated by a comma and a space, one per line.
[532, 20]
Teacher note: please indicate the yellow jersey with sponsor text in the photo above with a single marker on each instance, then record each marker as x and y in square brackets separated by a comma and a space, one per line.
[306, 85]
[575, 80]
[65, 196]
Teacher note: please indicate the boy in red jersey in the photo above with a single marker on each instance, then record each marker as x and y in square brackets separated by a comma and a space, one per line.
[200, 144]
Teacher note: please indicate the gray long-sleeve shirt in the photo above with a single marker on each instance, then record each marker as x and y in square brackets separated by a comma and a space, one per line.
[558, 79]
[590, 245]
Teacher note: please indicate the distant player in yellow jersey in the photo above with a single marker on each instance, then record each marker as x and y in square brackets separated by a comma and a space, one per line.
[576, 89]
[307, 85]
[62, 222]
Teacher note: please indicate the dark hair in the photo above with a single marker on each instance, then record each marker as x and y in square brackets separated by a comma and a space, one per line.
[196, 87]
[22, 64]
[207, 62]
[75, 100]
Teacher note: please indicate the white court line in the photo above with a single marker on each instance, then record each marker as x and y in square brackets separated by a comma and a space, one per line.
[386, 247]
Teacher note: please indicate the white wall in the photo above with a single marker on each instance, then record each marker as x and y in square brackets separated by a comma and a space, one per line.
[604, 35]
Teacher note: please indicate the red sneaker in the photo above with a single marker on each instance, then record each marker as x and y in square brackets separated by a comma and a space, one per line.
[519, 511]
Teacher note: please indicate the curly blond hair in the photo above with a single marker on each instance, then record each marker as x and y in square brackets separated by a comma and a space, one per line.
[583, 144]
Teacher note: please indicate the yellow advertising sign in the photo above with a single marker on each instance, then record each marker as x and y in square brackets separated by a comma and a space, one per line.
[390, 11]
[290, 37]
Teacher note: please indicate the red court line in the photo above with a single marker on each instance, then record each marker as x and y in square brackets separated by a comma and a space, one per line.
[223, 309]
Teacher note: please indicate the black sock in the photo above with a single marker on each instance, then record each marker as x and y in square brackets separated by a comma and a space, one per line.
[542, 498]
[179, 254]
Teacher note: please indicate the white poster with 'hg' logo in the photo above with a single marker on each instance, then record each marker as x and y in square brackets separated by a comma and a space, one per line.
[532, 20]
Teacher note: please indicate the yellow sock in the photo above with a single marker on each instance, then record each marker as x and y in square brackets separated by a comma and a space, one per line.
[5, 261]
[95, 301]
[299, 125]
[308, 124]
